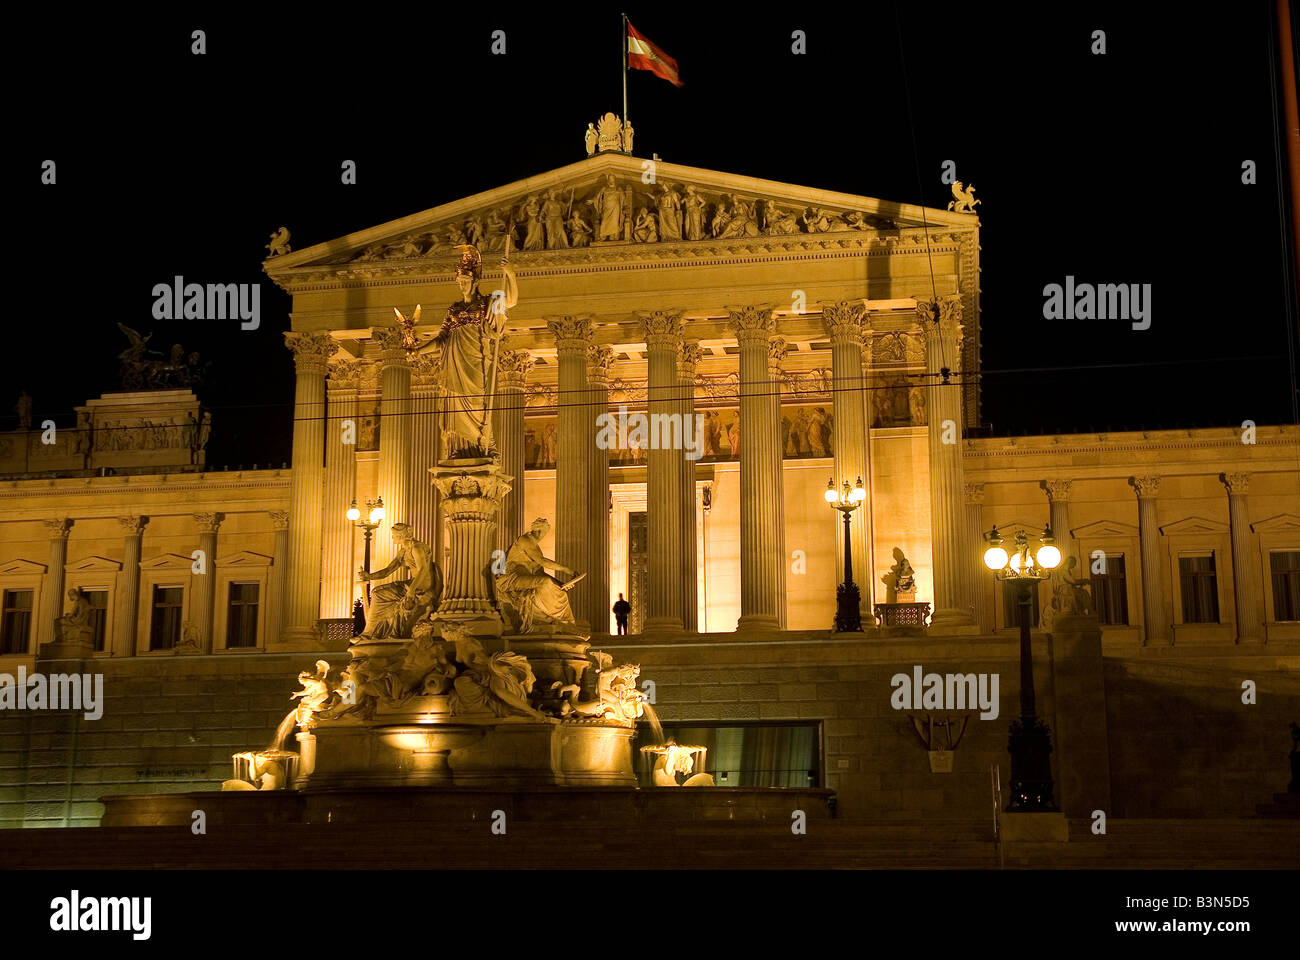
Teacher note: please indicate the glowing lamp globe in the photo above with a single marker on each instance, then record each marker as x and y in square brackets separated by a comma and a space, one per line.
[859, 493]
[831, 495]
[376, 514]
[995, 558]
[353, 513]
[1015, 562]
[1049, 557]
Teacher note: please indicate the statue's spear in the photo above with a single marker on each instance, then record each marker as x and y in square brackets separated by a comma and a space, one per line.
[496, 340]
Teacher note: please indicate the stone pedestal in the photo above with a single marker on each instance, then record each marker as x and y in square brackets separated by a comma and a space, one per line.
[1079, 728]
[471, 491]
[1035, 828]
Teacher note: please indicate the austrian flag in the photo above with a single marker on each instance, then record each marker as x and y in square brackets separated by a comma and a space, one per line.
[644, 55]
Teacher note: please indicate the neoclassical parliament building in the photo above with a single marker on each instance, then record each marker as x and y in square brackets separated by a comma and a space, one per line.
[804, 337]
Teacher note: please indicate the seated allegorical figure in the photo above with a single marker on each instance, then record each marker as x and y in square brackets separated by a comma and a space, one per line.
[75, 626]
[537, 595]
[395, 607]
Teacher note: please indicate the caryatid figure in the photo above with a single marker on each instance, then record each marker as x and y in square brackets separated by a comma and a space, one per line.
[469, 339]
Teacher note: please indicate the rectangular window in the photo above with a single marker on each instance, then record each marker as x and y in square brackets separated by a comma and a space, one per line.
[15, 621]
[241, 615]
[98, 614]
[165, 623]
[1011, 603]
[1110, 589]
[1200, 589]
[1285, 568]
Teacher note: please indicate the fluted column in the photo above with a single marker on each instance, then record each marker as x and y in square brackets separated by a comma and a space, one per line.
[311, 352]
[776, 352]
[513, 368]
[204, 585]
[1058, 503]
[52, 589]
[761, 552]
[338, 568]
[941, 326]
[843, 323]
[128, 591]
[395, 430]
[688, 362]
[600, 364]
[423, 506]
[1155, 626]
[663, 340]
[575, 442]
[275, 601]
[1247, 585]
[974, 541]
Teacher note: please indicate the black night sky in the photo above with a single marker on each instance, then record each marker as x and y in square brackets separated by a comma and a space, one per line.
[1123, 168]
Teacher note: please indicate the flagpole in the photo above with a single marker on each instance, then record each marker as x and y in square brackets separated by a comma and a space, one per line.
[624, 16]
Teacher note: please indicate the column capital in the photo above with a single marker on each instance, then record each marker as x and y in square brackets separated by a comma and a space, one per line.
[1235, 482]
[209, 522]
[133, 526]
[392, 343]
[57, 528]
[600, 365]
[974, 492]
[776, 351]
[571, 333]
[311, 351]
[513, 367]
[751, 324]
[342, 376]
[940, 317]
[843, 321]
[1146, 487]
[662, 330]
[1058, 491]
[424, 369]
[279, 519]
[687, 362]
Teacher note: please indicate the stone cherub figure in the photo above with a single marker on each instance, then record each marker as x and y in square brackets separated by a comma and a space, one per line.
[537, 595]
[313, 695]
[901, 578]
[395, 607]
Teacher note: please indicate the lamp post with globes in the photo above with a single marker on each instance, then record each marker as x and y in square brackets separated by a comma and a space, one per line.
[374, 514]
[848, 616]
[1030, 741]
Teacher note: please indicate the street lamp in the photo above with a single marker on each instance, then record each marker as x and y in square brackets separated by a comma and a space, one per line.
[848, 617]
[1030, 742]
[374, 514]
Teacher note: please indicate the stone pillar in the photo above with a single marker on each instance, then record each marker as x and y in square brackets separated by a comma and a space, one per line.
[1079, 726]
[471, 500]
[423, 505]
[1155, 625]
[761, 552]
[776, 351]
[513, 367]
[941, 326]
[338, 566]
[688, 362]
[575, 442]
[974, 540]
[311, 352]
[600, 364]
[663, 340]
[395, 430]
[204, 585]
[843, 323]
[52, 589]
[1058, 502]
[128, 592]
[1247, 584]
[274, 603]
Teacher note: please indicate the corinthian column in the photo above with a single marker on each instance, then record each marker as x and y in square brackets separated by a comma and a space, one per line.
[1155, 627]
[394, 439]
[205, 584]
[575, 442]
[337, 566]
[1246, 582]
[128, 594]
[974, 497]
[941, 325]
[761, 550]
[423, 509]
[600, 364]
[513, 367]
[688, 362]
[1058, 504]
[843, 323]
[52, 590]
[663, 340]
[275, 587]
[311, 352]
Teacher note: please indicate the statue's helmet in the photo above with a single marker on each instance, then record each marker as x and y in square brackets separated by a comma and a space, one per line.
[471, 262]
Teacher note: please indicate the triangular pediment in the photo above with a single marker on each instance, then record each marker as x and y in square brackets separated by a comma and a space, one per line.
[19, 568]
[737, 210]
[245, 558]
[1194, 525]
[1104, 528]
[166, 561]
[1283, 522]
[94, 565]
